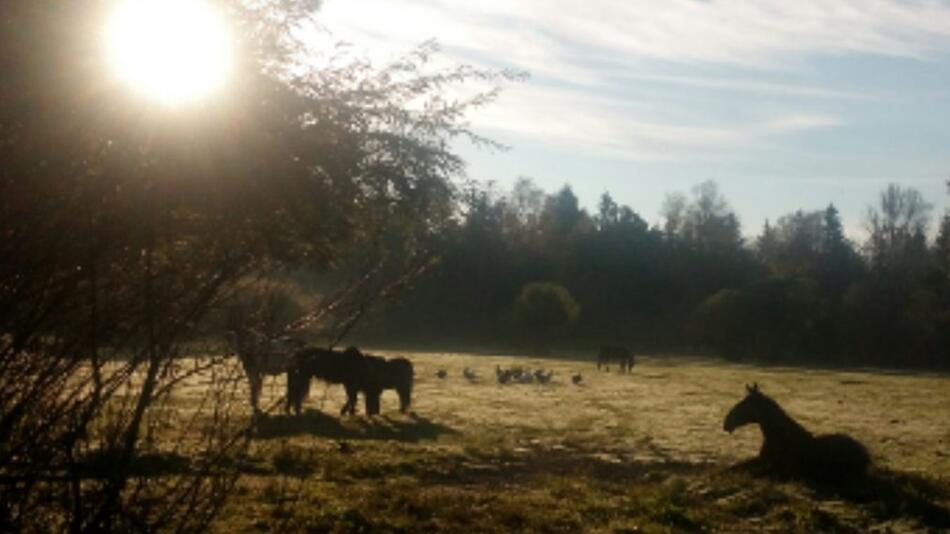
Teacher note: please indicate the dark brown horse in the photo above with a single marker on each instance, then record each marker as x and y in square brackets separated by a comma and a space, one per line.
[621, 355]
[788, 448]
[357, 372]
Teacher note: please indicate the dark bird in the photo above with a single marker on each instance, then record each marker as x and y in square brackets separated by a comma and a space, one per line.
[542, 377]
[468, 373]
[577, 379]
[441, 373]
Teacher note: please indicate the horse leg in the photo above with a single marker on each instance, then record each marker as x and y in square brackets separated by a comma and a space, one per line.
[349, 408]
[298, 387]
[405, 398]
[256, 382]
[292, 394]
[372, 401]
[303, 390]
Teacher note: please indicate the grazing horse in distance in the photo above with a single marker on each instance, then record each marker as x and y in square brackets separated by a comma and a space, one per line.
[788, 448]
[621, 355]
[261, 356]
[357, 372]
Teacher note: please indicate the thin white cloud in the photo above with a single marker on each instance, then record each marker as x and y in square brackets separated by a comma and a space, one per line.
[742, 85]
[738, 31]
[589, 61]
[537, 34]
[608, 128]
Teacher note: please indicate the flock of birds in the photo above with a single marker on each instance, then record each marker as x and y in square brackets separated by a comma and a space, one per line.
[514, 375]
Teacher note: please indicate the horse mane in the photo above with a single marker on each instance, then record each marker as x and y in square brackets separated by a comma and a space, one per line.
[779, 415]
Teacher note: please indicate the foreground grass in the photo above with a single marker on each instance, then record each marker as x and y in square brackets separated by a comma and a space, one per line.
[639, 452]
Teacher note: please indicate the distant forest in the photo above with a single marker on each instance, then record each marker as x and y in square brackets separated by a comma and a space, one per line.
[799, 291]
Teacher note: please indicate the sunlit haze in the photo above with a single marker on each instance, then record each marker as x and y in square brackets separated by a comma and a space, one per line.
[170, 50]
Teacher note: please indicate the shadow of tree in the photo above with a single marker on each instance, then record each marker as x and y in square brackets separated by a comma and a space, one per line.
[405, 428]
[884, 493]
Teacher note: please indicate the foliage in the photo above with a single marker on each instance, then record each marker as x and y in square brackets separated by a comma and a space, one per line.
[800, 291]
[545, 306]
[126, 223]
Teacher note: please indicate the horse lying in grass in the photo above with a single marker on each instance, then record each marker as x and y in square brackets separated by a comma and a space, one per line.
[621, 355]
[789, 449]
[358, 372]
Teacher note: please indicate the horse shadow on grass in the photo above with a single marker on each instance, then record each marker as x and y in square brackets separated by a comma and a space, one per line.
[410, 428]
[886, 494]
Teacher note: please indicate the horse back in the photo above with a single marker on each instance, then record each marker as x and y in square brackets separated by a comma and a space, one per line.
[266, 356]
[400, 367]
[327, 365]
[839, 455]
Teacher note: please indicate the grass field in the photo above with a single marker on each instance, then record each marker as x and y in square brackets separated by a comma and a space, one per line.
[643, 452]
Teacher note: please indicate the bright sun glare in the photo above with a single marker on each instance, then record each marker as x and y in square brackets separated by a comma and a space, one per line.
[171, 50]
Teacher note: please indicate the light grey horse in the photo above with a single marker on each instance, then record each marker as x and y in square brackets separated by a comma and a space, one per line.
[262, 356]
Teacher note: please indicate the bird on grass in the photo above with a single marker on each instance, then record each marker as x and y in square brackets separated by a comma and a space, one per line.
[542, 377]
[577, 379]
[441, 373]
[468, 373]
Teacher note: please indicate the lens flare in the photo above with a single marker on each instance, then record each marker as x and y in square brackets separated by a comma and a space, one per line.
[171, 50]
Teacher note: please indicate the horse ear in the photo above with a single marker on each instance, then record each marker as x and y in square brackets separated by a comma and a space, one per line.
[755, 387]
[748, 388]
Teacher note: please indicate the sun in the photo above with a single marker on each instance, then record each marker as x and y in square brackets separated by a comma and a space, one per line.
[171, 50]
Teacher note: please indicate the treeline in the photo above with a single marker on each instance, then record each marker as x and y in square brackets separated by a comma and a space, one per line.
[799, 291]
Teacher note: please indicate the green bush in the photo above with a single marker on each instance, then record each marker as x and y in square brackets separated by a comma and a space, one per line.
[543, 307]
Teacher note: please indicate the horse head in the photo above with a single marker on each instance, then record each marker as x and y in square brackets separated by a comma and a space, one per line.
[746, 411]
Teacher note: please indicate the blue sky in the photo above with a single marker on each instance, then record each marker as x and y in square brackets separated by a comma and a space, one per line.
[786, 105]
